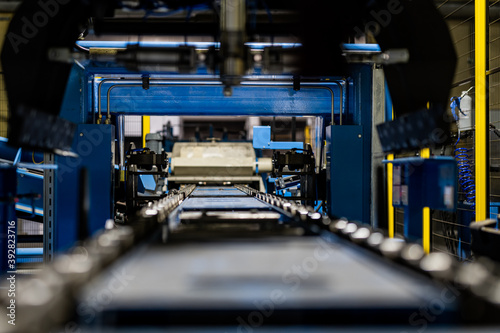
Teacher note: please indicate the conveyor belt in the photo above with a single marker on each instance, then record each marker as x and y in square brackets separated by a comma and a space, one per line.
[221, 198]
[217, 276]
[217, 203]
[304, 279]
[301, 271]
[217, 191]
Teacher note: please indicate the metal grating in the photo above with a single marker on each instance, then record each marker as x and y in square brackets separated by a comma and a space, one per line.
[449, 231]
[29, 246]
[133, 126]
[399, 222]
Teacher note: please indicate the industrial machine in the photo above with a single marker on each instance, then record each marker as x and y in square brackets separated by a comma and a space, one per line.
[246, 236]
[219, 163]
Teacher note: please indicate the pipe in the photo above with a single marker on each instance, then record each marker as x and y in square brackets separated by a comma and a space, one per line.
[233, 35]
[120, 124]
[341, 88]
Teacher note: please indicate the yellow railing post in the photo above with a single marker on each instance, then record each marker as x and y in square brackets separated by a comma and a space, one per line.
[146, 128]
[426, 215]
[390, 207]
[481, 139]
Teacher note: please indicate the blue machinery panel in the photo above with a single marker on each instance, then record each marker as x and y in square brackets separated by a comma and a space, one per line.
[349, 151]
[344, 171]
[95, 146]
[420, 183]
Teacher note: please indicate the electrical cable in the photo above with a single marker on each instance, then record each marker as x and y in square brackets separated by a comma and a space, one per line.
[33, 158]
[494, 130]
[81, 48]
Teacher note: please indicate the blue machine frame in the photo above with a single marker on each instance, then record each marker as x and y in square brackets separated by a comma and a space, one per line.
[92, 88]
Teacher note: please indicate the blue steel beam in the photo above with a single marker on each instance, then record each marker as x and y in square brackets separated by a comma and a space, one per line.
[206, 45]
[198, 45]
[201, 98]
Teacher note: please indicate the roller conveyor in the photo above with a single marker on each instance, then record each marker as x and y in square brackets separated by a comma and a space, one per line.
[223, 274]
[216, 191]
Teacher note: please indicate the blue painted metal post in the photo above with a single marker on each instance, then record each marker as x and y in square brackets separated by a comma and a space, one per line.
[8, 221]
[360, 112]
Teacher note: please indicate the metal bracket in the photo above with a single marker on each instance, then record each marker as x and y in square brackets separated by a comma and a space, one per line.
[262, 140]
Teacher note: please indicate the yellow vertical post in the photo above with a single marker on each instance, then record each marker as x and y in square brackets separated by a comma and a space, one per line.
[307, 135]
[390, 207]
[426, 215]
[481, 140]
[146, 128]
[4, 113]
